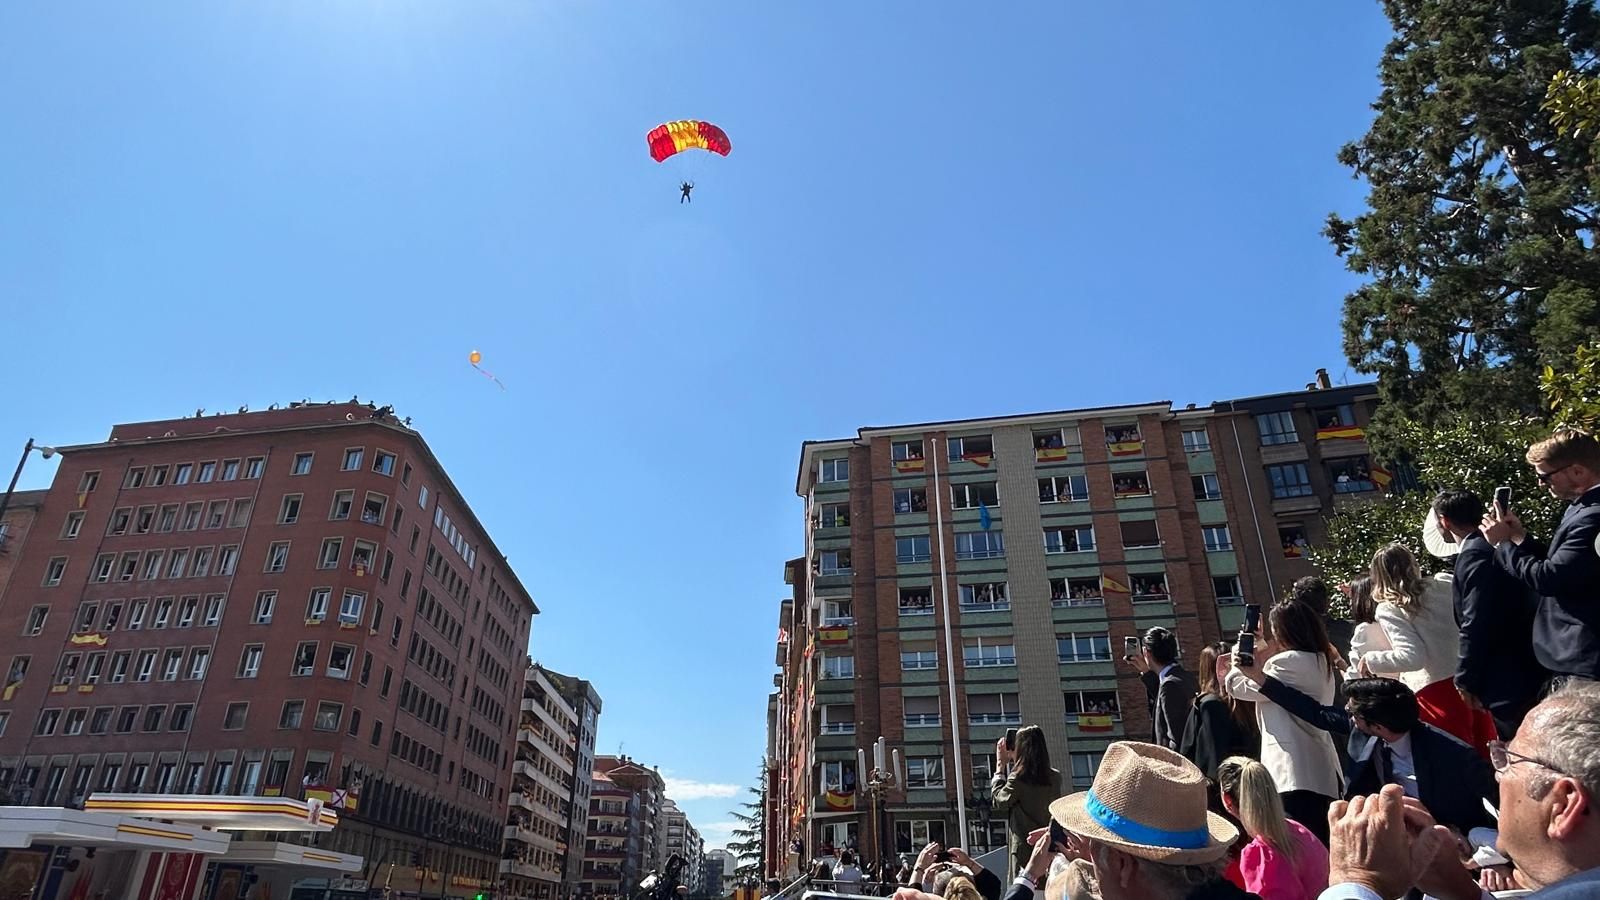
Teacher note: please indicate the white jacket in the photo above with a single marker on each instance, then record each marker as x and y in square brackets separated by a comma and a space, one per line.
[1300, 757]
[1425, 646]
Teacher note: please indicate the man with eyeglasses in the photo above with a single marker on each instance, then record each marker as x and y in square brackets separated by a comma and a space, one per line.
[1549, 774]
[1566, 572]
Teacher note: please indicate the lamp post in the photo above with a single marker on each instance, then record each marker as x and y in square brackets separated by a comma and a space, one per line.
[46, 452]
[981, 803]
[884, 776]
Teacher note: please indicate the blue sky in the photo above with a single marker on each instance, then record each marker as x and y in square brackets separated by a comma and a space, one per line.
[207, 205]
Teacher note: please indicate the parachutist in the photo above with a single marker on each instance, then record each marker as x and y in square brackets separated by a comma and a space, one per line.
[686, 187]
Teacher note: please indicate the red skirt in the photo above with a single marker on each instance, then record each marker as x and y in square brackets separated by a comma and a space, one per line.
[1442, 707]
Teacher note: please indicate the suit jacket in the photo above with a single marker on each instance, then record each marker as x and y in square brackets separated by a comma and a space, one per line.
[1212, 735]
[1566, 576]
[1495, 614]
[1170, 699]
[1452, 779]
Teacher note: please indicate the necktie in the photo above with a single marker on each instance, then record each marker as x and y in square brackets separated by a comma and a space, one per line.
[1387, 774]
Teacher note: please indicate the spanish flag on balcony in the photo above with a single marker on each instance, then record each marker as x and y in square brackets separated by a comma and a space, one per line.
[1051, 454]
[1382, 477]
[1341, 432]
[99, 640]
[833, 634]
[10, 690]
[908, 466]
[1094, 723]
[982, 459]
[1125, 448]
[1107, 583]
[839, 800]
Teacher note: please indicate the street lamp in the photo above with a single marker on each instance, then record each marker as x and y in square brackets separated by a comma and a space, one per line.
[46, 452]
[981, 803]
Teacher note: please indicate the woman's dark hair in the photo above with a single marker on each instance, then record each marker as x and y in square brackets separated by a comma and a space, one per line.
[1033, 756]
[1296, 626]
[1243, 712]
[1363, 606]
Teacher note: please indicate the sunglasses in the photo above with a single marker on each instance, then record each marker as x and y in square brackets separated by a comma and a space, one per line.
[1544, 477]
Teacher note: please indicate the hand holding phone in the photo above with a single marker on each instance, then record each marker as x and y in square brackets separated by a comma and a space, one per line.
[1130, 648]
[1244, 652]
[1502, 499]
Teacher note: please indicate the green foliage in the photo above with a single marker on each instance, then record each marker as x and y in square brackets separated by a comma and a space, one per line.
[1573, 103]
[1478, 243]
[1573, 394]
[748, 842]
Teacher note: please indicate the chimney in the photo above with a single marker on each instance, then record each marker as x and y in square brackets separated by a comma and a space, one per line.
[1323, 381]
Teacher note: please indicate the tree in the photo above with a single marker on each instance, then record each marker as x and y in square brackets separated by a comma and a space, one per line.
[1478, 243]
[749, 839]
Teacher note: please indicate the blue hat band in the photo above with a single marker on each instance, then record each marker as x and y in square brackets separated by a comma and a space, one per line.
[1135, 833]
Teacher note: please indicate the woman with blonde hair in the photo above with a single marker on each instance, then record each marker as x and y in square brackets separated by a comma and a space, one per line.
[1417, 616]
[1284, 860]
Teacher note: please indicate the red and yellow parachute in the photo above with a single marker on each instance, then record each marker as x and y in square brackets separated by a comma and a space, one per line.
[670, 138]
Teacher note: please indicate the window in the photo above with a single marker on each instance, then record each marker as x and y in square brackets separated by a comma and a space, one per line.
[372, 509]
[277, 557]
[75, 721]
[120, 520]
[100, 723]
[67, 669]
[182, 473]
[191, 516]
[383, 463]
[834, 612]
[914, 660]
[839, 777]
[377, 732]
[910, 835]
[339, 659]
[1074, 539]
[48, 720]
[36, 619]
[127, 717]
[422, 496]
[1293, 539]
[973, 496]
[1064, 489]
[136, 614]
[1124, 440]
[103, 564]
[835, 470]
[253, 467]
[352, 459]
[153, 716]
[839, 718]
[1092, 703]
[145, 519]
[147, 665]
[134, 478]
[208, 471]
[834, 515]
[838, 667]
[186, 610]
[405, 474]
[293, 710]
[302, 464]
[342, 502]
[199, 657]
[1141, 534]
[328, 716]
[1206, 487]
[305, 659]
[1276, 428]
[1056, 444]
[163, 612]
[993, 709]
[227, 559]
[1217, 537]
[181, 715]
[912, 549]
[1084, 764]
[907, 455]
[202, 562]
[982, 771]
[978, 448]
[980, 545]
[1149, 587]
[985, 597]
[230, 470]
[388, 676]
[924, 772]
[221, 776]
[261, 613]
[177, 563]
[377, 615]
[1227, 589]
[1289, 480]
[169, 518]
[332, 548]
[113, 616]
[127, 566]
[87, 613]
[916, 601]
[366, 667]
[1077, 647]
[152, 565]
[910, 500]
[1336, 422]
[71, 528]
[981, 653]
[1130, 484]
[249, 661]
[171, 664]
[350, 606]
[1069, 592]
[834, 562]
[355, 723]
[240, 517]
[921, 711]
[1196, 440]
[158, 476]
[361, 556]
[289, 509]
[1351, 476]
[54, 570]
[233, 719]
[394, 632]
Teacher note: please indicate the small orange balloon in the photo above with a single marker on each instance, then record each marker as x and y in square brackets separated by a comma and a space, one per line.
[475, 357]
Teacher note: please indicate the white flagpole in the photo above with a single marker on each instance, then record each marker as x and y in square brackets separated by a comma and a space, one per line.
[949, 654]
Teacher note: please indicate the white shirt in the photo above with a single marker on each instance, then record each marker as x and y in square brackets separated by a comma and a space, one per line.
[1405, 766]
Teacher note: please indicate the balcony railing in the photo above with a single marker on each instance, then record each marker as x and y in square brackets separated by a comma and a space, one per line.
[916, 720]
[1071, 602]
[839, 728]
[1000, 718]
[986, 606]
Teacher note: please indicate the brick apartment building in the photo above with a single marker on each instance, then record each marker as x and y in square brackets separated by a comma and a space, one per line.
[15, 526]
[551, 784]
[585, 702]
[1063, 534]
[627, 837]
[272, 603]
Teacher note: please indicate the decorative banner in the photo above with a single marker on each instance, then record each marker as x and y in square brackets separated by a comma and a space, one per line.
[908, 466]
[1126, 448]
[1107, 583]
[97, 639]
[1381, 477]
[1094, 723]
[833, 634]
[1051, 454]
[839, 800]
[1341, 432]
[981, 459]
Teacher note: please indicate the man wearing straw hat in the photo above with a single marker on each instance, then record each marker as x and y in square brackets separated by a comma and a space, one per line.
[1149, 833]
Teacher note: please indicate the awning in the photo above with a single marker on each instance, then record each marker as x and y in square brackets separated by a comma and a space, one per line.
[279, 853]
[23, 826]
[222, 811]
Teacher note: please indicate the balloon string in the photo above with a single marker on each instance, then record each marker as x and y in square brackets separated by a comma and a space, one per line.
[485, 373]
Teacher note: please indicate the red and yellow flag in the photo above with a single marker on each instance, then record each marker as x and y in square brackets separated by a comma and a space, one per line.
[1382, 477]
[1341, 432]
[1125, 448]
[833, 634]
[982, 459]
[908, 466]
[1094, 723]
[1107, 583]
[97, 639]
[839, 800]
[1051, 454]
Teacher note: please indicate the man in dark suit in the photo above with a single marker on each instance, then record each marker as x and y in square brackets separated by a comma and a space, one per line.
[1497, 671]
[1170, 687]
[1566, 572]
[1446, 775]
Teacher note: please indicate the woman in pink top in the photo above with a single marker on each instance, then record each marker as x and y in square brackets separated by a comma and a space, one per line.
[1283, 861]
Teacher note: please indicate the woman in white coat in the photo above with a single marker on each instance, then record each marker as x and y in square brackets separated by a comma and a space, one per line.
[1300, 757]
[1418, 619]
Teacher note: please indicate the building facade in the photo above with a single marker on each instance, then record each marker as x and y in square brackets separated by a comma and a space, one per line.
[611, 842]
[684, 840]
[585, 702]
[293, 602]
[1011, 558]
[540, 816]
[15, 526]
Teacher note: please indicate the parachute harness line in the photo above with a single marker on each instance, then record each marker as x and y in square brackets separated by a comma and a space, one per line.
[675, 137]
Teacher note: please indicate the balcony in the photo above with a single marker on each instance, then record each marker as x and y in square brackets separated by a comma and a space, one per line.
[531, 871]
[521, 801]
[520, 835]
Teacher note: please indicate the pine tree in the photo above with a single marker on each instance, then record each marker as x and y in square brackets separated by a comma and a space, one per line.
[1478, 243]
[748, 842]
